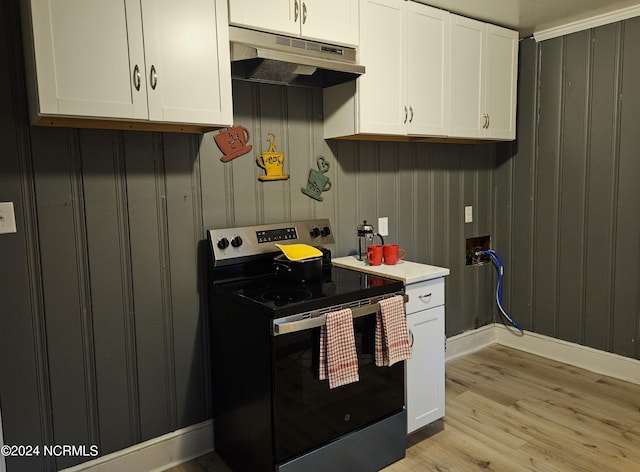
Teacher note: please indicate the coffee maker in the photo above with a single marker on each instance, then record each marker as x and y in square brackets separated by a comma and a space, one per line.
[366, 234]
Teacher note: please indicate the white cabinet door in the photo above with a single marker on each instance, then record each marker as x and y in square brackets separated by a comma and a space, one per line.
[467, 97]
[404, 47]
[187, 61]
[428, 70]
[501, 82]
[87, 53]
[483, 80]
[425, 369]
[332, 21]
[382, 91]
[277, 16]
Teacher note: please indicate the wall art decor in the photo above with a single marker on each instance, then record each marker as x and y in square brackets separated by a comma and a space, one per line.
[318, 182]
[233, 142]
[272, 162]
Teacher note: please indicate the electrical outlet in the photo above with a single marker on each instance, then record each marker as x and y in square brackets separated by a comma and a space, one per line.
[383, 226]
[7, 218]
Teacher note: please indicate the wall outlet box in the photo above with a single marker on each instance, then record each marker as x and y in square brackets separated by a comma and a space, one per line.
[7, 218]
[383, 226]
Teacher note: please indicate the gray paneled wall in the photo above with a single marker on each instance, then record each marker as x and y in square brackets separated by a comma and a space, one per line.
[570, 196]
[103, 325]
[422, 188]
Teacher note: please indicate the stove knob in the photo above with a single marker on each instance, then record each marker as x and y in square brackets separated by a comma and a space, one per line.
[315, 232]
[223, 243]
[325, 231]
[236, 241]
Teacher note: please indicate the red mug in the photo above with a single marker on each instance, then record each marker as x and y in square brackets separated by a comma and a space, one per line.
[392, 253]
[374, 255]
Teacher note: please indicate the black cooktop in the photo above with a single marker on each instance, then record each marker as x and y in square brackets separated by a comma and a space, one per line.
[277, 298]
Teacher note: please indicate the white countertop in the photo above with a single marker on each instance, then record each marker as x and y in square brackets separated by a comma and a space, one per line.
[407, 271]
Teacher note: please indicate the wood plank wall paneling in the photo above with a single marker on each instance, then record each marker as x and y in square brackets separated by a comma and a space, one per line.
[602, 186]
[26, 407]
[569, 193]
[110, 286]
[573, 177]
[64, 275]
[626, 296]
[119, 253]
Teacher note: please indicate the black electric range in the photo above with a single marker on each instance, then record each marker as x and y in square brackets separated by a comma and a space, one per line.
[271, 411]
[337, 286]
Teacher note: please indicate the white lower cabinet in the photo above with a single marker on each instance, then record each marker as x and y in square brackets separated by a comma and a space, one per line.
[425, 370]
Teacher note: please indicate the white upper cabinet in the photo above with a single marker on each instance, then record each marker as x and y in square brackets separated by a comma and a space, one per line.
[501, 87]
[151, 60]
[427, 75]
[483, 80]
[88, 58]
[331, 21]
[381, 91]
[187, 59]
[276, 16]
[404, 47]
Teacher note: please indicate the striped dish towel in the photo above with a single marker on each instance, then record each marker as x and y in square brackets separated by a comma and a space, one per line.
[392, 335]
[338, 357]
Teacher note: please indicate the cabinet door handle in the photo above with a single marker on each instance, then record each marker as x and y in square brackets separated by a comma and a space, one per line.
[304, 13]
[405, 115]
[136, 77]
[411, 339]
[488, 120]
[153, 77]
[296, 12]
[426, 295]
[411, 117]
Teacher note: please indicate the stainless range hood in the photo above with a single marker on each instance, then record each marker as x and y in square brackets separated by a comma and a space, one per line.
[265, 57]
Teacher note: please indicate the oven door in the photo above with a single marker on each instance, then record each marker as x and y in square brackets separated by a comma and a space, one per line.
[307, 413]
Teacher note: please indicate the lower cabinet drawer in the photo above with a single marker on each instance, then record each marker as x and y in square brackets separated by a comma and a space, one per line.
[424, 295]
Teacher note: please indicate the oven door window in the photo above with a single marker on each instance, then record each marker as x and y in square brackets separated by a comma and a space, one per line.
[307, 413]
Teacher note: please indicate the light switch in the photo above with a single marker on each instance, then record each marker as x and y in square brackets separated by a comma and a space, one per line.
[7, 218]
[468, 214]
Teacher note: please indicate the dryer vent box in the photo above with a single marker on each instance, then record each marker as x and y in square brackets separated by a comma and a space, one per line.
[481, 243]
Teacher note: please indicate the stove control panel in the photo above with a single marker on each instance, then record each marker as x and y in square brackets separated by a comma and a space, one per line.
[232, 245]
[276, 235]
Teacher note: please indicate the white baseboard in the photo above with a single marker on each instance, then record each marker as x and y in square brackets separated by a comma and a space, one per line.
[185, 444]
[470, 342]
[594, 360]
[587, 358]
[157, 454]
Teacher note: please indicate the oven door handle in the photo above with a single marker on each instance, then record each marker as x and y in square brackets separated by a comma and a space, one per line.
[316, 319]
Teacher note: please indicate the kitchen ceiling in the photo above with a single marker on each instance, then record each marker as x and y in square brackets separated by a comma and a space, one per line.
[537, 16]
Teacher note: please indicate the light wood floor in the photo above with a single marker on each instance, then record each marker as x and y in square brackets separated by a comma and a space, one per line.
[507, 410]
